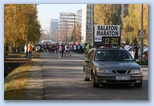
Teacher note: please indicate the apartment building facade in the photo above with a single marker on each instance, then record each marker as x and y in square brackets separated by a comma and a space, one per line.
[87, 23]
[53, 29]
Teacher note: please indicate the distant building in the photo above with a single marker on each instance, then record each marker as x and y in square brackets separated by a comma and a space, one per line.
[87, 23]
[54, 24]
[66, 17]
[53, 28]
[67, 21]
[79, 17]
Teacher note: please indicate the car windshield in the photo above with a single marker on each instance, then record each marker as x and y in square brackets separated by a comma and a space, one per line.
[113, 55]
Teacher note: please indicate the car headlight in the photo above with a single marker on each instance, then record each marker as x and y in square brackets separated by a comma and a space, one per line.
[136, 71]
[104, 71]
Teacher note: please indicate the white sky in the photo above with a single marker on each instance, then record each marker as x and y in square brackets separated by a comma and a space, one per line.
[46, 12]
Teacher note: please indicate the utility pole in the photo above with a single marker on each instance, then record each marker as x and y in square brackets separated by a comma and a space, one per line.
[93, 24]
[141, 37]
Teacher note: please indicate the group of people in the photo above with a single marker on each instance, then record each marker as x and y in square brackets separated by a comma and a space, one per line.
[80, 48]
[51, 48]
[28, 50]
[64, 50]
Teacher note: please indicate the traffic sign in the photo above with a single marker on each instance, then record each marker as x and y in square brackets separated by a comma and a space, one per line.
[141, 33]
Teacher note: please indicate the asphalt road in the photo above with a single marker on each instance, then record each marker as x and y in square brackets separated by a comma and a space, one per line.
[62, 79]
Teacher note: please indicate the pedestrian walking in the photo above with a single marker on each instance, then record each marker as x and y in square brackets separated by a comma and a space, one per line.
[29, 50]
[67, 50]
[57, 48]
[26, 50]
[82, 50]
[87, 48]
[60, 51]
[70, 46]
[63, 49]
[78, 48]
[135, 51]
[53, 48]
[50, 48]
[75, 48]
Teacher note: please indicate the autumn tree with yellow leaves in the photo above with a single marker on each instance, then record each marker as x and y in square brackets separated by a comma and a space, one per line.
[111, 14]
[107, 14]
[131, 23]
[77, 32]
[20, 25]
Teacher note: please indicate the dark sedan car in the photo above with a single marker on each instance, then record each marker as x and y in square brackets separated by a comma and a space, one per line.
[111, 66]
[38, 47]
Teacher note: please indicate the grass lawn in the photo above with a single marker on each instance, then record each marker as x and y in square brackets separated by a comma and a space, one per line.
[16, 75]
[15, 82]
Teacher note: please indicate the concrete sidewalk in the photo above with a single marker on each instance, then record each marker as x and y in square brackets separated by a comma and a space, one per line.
[35, 88]
[144, 66]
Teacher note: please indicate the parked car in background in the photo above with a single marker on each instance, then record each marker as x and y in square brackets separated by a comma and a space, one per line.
[38, 47]
[129, 48]
[47, 42]
[145, 56]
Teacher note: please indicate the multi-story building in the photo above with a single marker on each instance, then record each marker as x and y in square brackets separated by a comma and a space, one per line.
[67, 20]
[53, 29]
[79, 17]
[87, 23]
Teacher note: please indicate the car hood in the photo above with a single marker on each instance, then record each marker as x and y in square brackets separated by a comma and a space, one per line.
[116, 65]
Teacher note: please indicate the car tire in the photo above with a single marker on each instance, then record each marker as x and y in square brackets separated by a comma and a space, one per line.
[138, 85]
[94, 84]
[84, 77]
